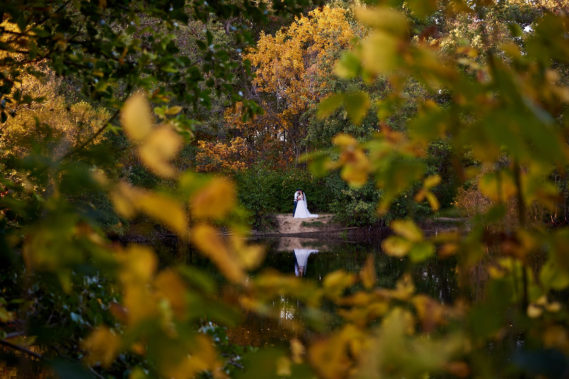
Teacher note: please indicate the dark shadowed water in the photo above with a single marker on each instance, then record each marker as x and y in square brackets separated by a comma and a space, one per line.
[313, 259]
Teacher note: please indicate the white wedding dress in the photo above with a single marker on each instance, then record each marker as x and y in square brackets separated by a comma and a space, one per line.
[301, 256]
[302, 210]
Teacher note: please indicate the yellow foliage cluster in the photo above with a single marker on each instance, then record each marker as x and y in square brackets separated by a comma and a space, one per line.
[555, 6]
[382, 332]
[53, 120]
[157, 305]
[151, 297]
[13, 41]
[294, 68]
[295, 63]
[220, 156]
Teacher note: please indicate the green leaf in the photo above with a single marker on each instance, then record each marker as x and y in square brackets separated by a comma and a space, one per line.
[515, 29]
[384, 18]
[329, 105]
[553, 276]
[317, 162]
[422, 8]
[421, 251]
[348, 67]
[357, 104]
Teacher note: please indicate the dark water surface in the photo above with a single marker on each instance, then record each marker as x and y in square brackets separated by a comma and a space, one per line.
[313, 259]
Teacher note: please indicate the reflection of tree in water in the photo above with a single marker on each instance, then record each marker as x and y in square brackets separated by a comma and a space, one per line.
[433, 277]
[437, 279]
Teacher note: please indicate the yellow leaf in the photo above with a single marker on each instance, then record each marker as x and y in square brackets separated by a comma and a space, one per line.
[170, 212]
[283, 366]
[170, 286]
[448, 249]
[362, 316]
[344, 140]
[336, 282]
[173, 110]
[553, 307]
[249, 255]
[138, 264]
[433, 201]
[431, 198]
[122, 201]
[420, 196]
[404, 288]
[102, 346]
[384, 18]
[422, 8]
[534, 311]
[367, 274]
[215, 200]
[297, 350]
[399, 320]
[407, 229]
[331, 356]
[432, 181]
[166, 210]
[136, 117]
[356, 167]
[161, 146]
[497, 186]
[380, 53]
[542, 300]
[207, 239]
[430, 312]
[556, 336]
[201, 357]
[5, 315]
[396, 246]
[511, 49]
[137, 373]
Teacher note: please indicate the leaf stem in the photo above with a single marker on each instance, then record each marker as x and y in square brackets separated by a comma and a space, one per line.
[522, 219]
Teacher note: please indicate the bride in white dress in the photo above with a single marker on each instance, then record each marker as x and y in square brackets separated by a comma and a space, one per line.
[301, 256]
[302, 209]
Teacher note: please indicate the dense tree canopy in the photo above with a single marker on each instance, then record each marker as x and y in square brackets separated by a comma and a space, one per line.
[293, 70]
[109, 108]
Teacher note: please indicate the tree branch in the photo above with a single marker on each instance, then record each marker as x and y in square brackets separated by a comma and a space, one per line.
[21, 349]
[93, 136]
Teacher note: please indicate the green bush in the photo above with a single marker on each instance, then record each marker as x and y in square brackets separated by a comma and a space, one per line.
[356, 207]
[264, 192]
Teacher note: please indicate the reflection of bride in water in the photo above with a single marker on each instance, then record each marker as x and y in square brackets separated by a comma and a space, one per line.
[301, 256]
[302, 207]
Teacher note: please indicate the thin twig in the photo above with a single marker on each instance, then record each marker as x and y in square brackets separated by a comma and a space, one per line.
[14, 334]
[48, 16]
[21, 349]
[93, 136]
[95, 372]
[522, 219]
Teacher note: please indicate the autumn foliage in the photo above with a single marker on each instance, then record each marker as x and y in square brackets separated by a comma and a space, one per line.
[115, 308]
[293, 71]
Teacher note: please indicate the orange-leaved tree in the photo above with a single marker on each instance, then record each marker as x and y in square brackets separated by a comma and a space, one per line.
[293, 72]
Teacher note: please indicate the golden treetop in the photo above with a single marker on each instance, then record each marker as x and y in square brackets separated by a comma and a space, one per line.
[294, 61]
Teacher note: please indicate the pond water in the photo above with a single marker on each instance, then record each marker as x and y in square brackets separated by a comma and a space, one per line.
[313, 259]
